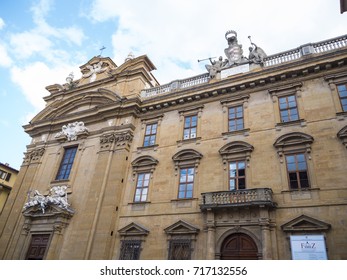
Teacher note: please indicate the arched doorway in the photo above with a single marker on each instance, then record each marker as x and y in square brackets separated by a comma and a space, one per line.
[239, 246]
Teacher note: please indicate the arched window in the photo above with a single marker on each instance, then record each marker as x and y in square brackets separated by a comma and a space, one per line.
[236, 156]
[295, 150]
[143, 168]
[186, 165]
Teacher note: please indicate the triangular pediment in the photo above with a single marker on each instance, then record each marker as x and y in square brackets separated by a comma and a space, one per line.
[305, 223]
[133, 229]
[181, 227]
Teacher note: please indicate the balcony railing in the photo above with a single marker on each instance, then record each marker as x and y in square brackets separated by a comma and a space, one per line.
[312, 48]
[175, 85]
[271, 60]
[238, 198]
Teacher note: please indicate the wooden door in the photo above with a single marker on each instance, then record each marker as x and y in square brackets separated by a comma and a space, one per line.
[239, 246]
[37, 247]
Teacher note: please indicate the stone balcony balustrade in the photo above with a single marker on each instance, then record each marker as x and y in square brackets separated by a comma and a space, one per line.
[284, 57]
[238, 198]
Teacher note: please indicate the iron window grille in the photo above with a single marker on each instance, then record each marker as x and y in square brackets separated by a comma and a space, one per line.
[180, 249]
[130, 250]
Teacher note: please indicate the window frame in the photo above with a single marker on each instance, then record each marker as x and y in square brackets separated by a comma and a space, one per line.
[184, 159]
[184, 185]
[235, 102]
[297, 171]
[68, 166]
[157, 119]
[150, 135]
[237, 177]
[341, 98]
[183, 242]
[142, 187]
[333, 82]
[288, 108]
[143, 165]
[295, 143]
[284, 92]
[135, 254]
[236, 118]
[236, 151]
[187, 130]
[184, 114]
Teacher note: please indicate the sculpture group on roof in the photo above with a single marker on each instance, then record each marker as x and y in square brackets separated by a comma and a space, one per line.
[234, 54]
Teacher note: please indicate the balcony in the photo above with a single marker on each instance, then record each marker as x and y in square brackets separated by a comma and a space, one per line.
[238, 198]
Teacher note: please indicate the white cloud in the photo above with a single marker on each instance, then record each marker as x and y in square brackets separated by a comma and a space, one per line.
[33, 78]
[5, 59]
[189, 30]
[28, 43]
[43, 37]
[2, 23]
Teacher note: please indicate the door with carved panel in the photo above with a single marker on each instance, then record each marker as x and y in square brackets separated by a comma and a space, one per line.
[37, 247]
[239, 246]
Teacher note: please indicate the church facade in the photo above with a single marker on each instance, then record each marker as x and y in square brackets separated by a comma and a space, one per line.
[247, 161]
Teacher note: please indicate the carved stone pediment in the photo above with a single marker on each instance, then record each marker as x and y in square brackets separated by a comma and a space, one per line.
[133, 229]
[181, 227]
[305, 223]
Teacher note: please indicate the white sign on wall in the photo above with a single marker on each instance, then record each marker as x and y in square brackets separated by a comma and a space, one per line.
[308, 247]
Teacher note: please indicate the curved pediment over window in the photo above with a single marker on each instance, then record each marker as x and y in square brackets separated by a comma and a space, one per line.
[293, 139]
[188, 154]
[187, 157]
[236, 147]
[144, 163]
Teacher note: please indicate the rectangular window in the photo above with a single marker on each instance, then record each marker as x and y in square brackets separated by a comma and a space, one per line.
[235, 118]
[180, 249]
[66, 163]
[297, 171]
[288, 108]
[5, 175]
[343, 96]
[190, 127]
[37, 247]
[186, 183]
[130, 250]
[150, 134]
[237, 175]
[142, 185]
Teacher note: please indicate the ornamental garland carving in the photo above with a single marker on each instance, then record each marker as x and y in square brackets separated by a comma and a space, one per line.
[71, 131]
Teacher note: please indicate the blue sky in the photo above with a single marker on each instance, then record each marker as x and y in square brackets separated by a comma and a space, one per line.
[42, 41]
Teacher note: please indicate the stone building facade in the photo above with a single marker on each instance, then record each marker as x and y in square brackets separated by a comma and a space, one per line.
[242, 162]
[8, 177]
